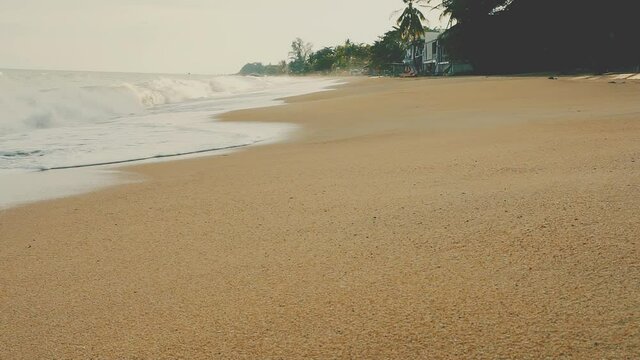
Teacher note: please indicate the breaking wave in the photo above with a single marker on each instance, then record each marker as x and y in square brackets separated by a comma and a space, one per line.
[35, 100]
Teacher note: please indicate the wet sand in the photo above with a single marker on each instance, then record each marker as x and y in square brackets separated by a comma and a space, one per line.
[410, 218]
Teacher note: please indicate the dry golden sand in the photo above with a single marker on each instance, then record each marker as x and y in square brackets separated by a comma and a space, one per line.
[428, 218]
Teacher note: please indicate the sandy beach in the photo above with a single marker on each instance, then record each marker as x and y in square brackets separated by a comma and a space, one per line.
[407, 219]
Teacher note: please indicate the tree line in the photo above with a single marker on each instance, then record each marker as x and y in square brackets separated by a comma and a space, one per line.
[509, 36]
[494, 36]
[348, 57]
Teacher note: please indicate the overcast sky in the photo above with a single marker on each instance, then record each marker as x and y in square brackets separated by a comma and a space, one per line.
[179, 36]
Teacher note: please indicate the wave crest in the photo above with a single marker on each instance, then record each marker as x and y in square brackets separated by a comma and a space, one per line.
[50, 100]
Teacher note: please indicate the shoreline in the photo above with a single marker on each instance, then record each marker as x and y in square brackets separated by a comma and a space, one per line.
[463, 217]
[106, 173]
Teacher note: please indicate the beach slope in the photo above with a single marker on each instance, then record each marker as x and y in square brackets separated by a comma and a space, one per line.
[409, 218]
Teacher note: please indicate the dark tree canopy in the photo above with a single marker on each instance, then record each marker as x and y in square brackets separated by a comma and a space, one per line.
[410, 21]
[387, 50]
[495, 36]
[258, 68]
[299, 56]
[501, 36]
[323, 60]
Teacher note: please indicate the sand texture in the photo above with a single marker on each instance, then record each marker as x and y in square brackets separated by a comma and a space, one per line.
[408, 219]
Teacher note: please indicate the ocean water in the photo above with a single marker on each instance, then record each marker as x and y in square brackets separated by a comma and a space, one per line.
[54, 123]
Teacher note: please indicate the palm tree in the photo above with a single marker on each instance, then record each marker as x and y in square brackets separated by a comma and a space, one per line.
[410, 25]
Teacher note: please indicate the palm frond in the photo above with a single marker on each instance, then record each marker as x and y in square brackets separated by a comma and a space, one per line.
[410, 21]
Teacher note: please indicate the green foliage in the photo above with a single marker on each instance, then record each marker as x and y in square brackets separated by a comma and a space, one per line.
[299, 56]
[323, 60]
[258, 68]
[470, 10]
[346, 57]
[252, 68]
[387, 50]
[410, 22]
[351, 56]
[495, 36]
[410, 25]
[507, 36]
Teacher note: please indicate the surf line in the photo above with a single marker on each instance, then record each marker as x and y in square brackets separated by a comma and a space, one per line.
[150, 157]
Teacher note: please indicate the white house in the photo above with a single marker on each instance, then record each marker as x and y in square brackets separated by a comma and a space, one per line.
[435, 60]
[430, 57]
[424, 57]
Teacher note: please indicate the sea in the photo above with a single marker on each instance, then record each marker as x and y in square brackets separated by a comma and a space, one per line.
[64, 132]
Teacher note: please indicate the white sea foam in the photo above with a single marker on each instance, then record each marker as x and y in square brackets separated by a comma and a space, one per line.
[35, 100]
[52, 120]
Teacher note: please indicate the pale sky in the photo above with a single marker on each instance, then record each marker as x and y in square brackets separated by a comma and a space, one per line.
[179, 36]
